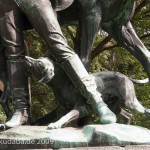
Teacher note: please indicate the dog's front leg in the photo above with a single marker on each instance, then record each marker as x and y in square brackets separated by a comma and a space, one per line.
[63, 121]
[126, 116]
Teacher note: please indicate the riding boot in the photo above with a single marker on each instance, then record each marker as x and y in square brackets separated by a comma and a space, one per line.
[87, 87]
[20, 94]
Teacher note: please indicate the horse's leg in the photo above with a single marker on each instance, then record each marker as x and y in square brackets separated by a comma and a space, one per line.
[127, 36]
[89, 22]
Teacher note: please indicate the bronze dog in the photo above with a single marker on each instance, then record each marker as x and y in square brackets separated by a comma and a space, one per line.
[116, 89]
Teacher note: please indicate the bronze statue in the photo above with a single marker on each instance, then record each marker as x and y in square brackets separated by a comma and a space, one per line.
[42, 17]
[117, 91]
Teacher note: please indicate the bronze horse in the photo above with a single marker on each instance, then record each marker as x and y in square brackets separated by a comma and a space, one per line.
[112, 16]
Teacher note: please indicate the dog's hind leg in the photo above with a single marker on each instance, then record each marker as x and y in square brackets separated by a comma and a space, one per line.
[139, 108]
[129, 98]
[69, 117]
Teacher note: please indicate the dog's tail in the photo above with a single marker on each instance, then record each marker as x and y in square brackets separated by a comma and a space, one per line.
[143, 81]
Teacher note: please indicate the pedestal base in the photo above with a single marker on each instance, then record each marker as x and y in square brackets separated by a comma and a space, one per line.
[36, 137]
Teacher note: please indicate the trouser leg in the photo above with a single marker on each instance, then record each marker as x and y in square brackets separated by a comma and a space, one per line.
[20, 93]
[12, 36]
[42, 17]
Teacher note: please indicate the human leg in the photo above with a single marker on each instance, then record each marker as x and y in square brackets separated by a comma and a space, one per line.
[12, 36]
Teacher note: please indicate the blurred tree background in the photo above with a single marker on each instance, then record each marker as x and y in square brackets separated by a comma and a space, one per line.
[106, 55]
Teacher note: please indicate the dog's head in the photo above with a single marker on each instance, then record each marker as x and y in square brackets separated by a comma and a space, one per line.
[42, 68]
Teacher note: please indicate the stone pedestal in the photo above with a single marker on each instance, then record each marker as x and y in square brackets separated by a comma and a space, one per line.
[36, 137]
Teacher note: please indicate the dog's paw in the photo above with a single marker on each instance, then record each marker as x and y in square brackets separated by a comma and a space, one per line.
[147, 112]
[54, 125]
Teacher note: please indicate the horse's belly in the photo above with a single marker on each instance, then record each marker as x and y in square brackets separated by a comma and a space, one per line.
[116, 10]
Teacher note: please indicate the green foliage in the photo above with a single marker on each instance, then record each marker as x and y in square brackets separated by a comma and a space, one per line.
[2, 116]
[42, 99]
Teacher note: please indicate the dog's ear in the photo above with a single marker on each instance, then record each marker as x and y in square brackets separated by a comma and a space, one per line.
[42, 68]
[29, 62]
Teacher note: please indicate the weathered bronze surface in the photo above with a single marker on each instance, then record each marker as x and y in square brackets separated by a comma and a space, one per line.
[117, 91]
[94, 15]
